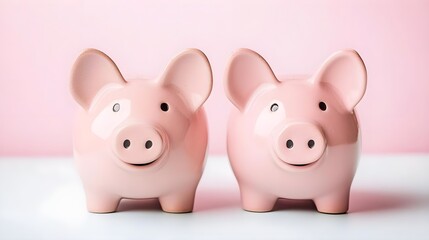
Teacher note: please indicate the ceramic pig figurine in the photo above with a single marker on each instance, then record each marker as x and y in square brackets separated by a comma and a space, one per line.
[140, 138]
[294, 138]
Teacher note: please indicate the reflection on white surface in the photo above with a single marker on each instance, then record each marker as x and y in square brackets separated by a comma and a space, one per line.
[43, 199]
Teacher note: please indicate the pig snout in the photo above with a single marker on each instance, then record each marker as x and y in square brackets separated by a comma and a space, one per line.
[138, 145]
[300, 144]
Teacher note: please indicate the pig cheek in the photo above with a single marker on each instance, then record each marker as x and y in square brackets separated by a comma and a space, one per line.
[176, 128]
[106, 121]
[266, 120]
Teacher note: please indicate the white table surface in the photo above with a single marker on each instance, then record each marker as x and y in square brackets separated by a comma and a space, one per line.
[42, 198]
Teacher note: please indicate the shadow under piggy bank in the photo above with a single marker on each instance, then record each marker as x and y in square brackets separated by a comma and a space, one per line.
[215, 199]
[360, 201]
[205, 199]
[151, 204]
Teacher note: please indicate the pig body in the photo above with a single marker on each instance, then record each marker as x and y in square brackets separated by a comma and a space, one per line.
[294, 138]
[141, 138]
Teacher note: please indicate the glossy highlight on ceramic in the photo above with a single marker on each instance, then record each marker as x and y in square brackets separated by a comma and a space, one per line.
[140, 138]
[294, 138]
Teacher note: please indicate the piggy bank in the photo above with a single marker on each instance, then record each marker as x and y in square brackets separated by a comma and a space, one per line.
[294, 138]
[139, 139]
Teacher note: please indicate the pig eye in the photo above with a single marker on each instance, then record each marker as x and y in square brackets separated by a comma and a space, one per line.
[322, 106]
[116, 107]
[164, 107]
[274, 107]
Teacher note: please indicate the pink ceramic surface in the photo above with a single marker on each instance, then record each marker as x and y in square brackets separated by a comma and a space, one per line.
[140, 138]
[295, 138]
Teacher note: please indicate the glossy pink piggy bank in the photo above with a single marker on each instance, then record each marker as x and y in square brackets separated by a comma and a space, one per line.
[294, 138]
[140, 138]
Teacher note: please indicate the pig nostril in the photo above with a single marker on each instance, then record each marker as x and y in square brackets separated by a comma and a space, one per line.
[289, 144]
[148, 144]
[322, 106]
[311, 143]
[164, 107]
[126, 143]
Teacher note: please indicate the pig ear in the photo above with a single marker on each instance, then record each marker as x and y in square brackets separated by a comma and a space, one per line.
[346, 73]
[92, 71]
[190, 74]
[246, 72]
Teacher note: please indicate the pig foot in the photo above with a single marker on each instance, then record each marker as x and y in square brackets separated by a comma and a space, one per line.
[335, 203]
[256, 202]
[102, 203]
[178, 202]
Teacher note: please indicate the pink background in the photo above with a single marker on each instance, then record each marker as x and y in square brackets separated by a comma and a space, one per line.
[39, 41]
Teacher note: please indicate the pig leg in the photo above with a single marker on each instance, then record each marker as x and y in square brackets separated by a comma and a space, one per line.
[255, 201]
[333, 203]
[178, 202]
[101, 203]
